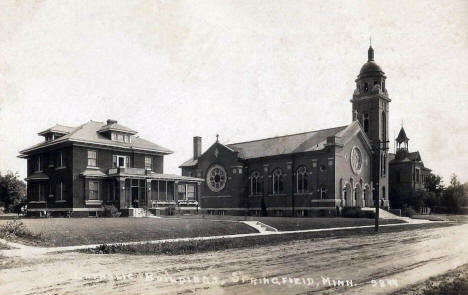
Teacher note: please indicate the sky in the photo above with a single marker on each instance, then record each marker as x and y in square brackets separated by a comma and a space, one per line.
[242, 69]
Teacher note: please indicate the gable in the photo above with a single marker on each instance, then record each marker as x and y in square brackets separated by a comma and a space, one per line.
[217, 151]
[355, 131]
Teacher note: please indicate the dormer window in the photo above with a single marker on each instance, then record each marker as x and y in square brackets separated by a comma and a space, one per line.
[117, 136]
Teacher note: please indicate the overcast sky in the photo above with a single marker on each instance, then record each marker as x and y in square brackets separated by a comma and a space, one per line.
[244, 69]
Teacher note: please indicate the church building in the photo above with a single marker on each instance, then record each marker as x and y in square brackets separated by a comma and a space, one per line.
[315, 173]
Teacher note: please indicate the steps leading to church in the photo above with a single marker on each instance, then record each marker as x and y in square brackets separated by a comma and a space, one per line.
[261, 227]
[139, 212]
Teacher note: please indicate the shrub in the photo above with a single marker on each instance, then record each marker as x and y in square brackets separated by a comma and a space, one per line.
[410, 212]
[14, 229]
[106, 249]
[355, 212]
[457, 287]
[111, 211]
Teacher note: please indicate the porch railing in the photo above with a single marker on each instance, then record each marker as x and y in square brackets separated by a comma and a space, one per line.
[126, 170]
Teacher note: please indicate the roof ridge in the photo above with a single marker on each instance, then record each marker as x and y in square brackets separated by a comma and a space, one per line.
[300, 133]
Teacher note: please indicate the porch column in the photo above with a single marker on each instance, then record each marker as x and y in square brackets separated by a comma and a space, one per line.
[122, 194]
[148, 194]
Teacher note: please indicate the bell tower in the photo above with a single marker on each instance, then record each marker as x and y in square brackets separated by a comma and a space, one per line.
[371, 108]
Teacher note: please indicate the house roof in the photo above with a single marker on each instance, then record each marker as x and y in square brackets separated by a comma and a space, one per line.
[92, 173]
[89, 133]
[288, 144]
[58, 129]
[189, 163]
[37, 176]
[114, 126]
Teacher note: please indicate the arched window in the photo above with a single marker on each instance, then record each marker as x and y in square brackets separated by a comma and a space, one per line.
[366, 87]
[255, 183]
[383, 192]
[277, 181]
[383, 85]
[301, 177]
[323, 193]
[366, 123]
[384, 126]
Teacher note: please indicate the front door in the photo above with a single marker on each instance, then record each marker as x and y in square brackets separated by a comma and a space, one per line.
[135, 200]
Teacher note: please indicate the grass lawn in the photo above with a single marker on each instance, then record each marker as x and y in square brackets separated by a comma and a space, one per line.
[282, 223]
[189, 247]
[300, 223]
[80, 231]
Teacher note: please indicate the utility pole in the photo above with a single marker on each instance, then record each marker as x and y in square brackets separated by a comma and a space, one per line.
[377, 205]
[380, 146]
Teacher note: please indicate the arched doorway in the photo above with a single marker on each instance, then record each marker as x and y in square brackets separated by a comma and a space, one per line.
[347, 195]
[359, 201]
[368, 196]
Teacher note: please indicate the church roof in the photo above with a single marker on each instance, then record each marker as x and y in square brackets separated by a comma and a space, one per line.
[288, 144]
[370, 68]
[90, 133]
[402, 136]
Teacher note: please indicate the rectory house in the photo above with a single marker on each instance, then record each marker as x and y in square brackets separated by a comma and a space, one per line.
[79, 170]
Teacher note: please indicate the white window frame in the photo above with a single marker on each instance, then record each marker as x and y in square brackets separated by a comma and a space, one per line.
[303, 176]
[126, 161]
[323, 191]
[40, 192]
[60, 196]
[95, 158]
[277, 177]
[38, 164]
[255, 190]
[96, 190]
[60, 161]
[150, 163]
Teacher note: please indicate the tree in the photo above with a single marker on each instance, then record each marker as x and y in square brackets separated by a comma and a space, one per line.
[435, 184]
[454, 195]
[13, 192]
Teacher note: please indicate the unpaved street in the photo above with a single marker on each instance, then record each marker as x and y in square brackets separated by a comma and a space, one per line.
[301, 267]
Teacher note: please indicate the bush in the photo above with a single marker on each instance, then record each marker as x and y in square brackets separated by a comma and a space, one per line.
[410, 212]
[356, 212]
[458, 287]
[111, 211]
[13, 229]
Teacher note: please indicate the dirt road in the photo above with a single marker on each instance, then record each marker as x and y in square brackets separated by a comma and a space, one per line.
[393, 260]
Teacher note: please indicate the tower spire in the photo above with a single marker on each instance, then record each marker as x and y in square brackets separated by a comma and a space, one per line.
[370, 52]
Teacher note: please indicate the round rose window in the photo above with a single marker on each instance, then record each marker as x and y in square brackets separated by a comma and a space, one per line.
[216, 178]
[356, 160]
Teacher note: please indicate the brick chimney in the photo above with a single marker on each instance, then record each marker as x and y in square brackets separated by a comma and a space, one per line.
[196, 147]
[110, 122]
